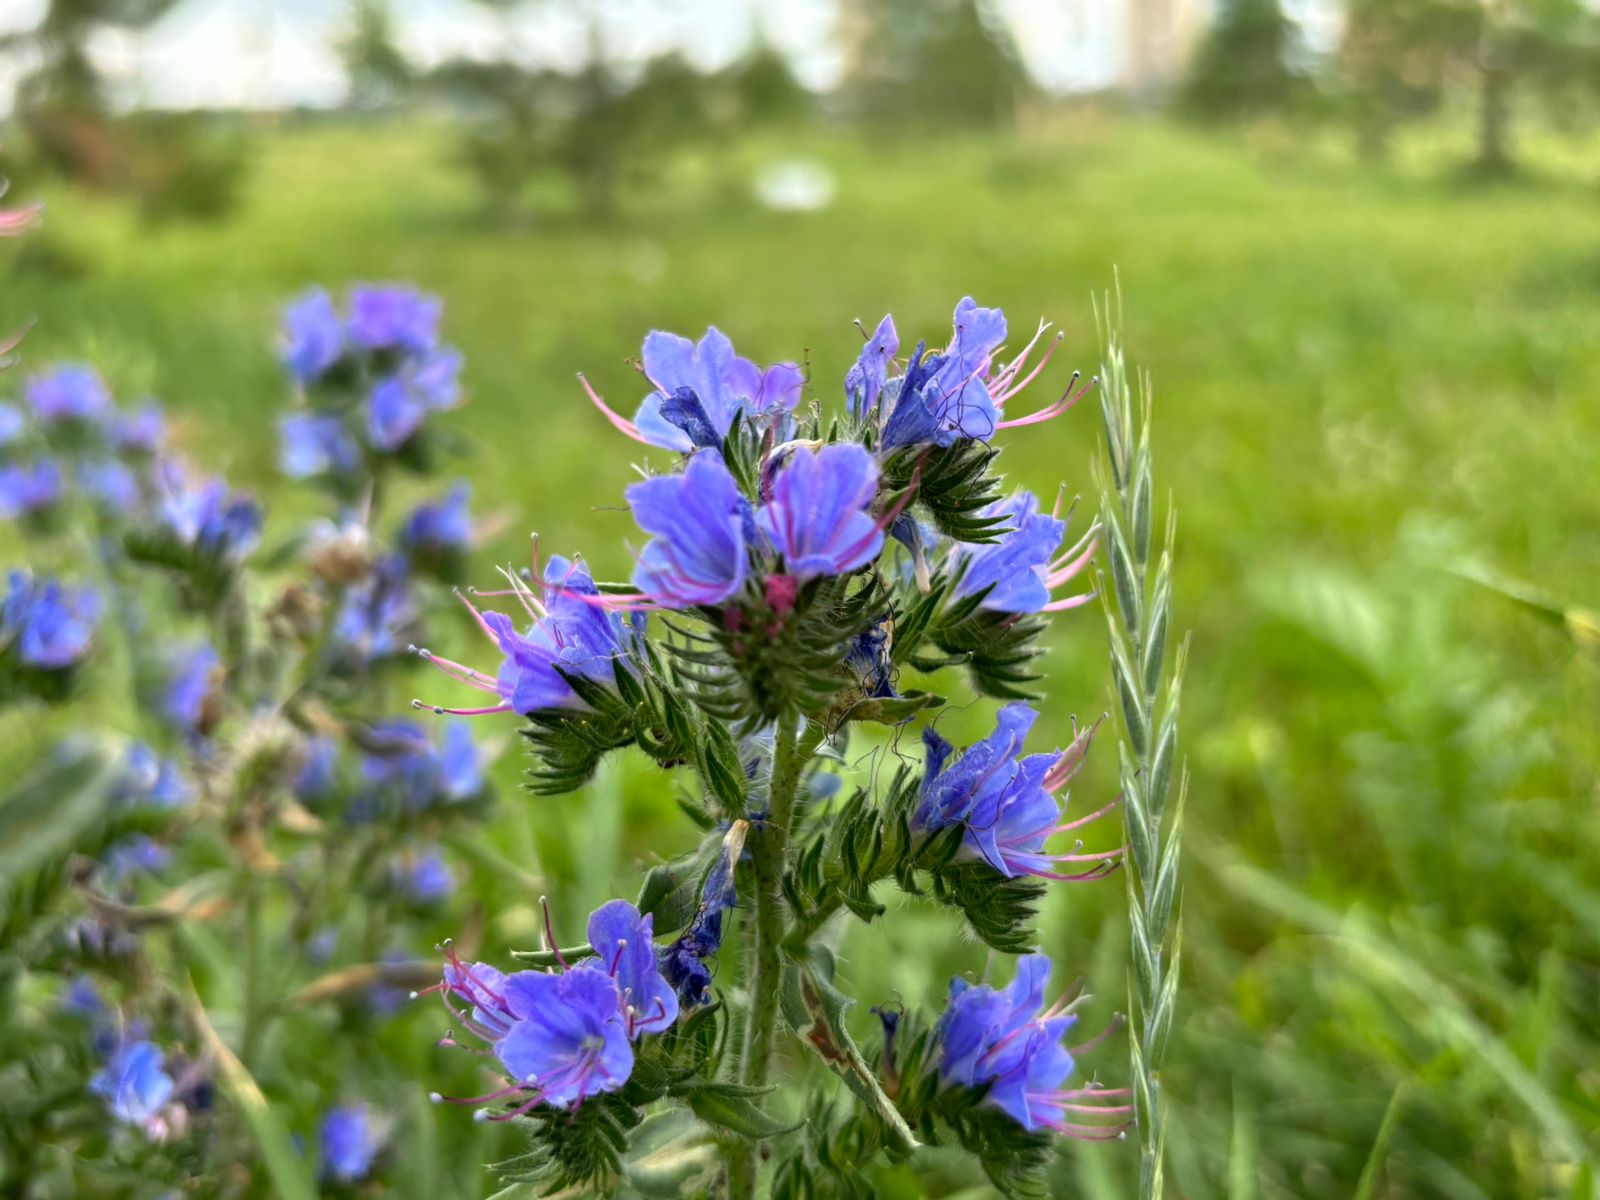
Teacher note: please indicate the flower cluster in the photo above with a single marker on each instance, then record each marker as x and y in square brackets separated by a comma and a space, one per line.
[45, 626]
[566, 1035]
[1006, 802]
[371, 376]
[1009, 1043]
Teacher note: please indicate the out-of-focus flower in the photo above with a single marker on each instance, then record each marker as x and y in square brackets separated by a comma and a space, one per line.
[13, 424]
[315, 444]
[46, 625]
[426, 877]
[190, 700]
[440, 529]
[352, 1138]
[111, 483]
[68, 392]
[206, 515]
[1010, 1043]
[143, 431]
[29, 489]
[151, 781]
[420, 772]
[313, 336]
[318, 775]
[132, 856]
[378, 617]
[390, 317]
[135, 1084]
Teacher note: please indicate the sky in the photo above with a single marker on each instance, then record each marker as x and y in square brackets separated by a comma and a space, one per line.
[281, 53]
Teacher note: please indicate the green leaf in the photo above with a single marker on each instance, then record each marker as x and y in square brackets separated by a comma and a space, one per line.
[736, 1114]
[816, 1009]
[54, 811]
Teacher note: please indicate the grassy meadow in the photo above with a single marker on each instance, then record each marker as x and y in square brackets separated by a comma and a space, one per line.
[1367, 386]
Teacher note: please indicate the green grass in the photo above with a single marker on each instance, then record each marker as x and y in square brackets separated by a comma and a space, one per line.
[1392, 919]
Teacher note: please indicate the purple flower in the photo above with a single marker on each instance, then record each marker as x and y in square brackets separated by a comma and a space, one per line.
[206, 515]
[1008, 1041]
[561, 1038]
[378, 616]
[700, 388]
[572, 633]
[945, 396]
[143, 431]
[421, 772]
[624, 951]
[440, 528]
[397, 406]
[82, 998]
[863, 383]
[68, 392]
[389, 317]
[27, 490]
[1006, 801]
[192, 682]
[817, 517]
[698, 519]
[110, 482]
[45, 624]
[351, 1138]
[427, 878]
[313, 336]
[134, 1084]
[151, 782]
[315, 444]
[1021, 568]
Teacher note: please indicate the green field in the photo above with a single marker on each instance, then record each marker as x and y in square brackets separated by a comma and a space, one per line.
[1364, 384]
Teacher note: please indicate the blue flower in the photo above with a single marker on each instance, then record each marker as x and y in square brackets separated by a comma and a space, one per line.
[141, 432]
[378, 616]
[148, 781]
[82, 998]
[427, 878]
[945, 396]
[313, 336]
[13, 423]
[132, 856]
[868, 657]
[440, 528]
[817, 517]
[68, 392]
[191, 690]
[47, 625]
[1010, 1042]
[698, 519]
[110, 482]
[561, 1037]
[421, 773]
[206, 515]
[1021, 569]
[318, 774]
[624, 951]
[683, 962]
[351, 1139]
[315, 444]
[1006, 801]
[572, 633]
[397, 405]
[28, 489]
[700, 388]
[863, 383]
[134, 1084]
[390, 317]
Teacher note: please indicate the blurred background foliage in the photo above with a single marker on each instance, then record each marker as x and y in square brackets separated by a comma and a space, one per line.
[1375, 390]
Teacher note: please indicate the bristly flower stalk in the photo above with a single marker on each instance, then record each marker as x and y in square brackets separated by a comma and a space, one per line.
[1138, 608]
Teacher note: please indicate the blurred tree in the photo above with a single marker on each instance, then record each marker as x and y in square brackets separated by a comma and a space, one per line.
[378, 70]
[1400, 56]
[936, 61]
[605, 122]
[174, 164]
[1241, 68]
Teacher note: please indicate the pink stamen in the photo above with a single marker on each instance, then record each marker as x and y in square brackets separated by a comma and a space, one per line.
[550, 934]
[1099, 872]
[440, 711]
[618, 422]
[1071, 602]
[1088, 1133]
[1084, 1047]
[1000, 400]
[490, 1098]
[1052, 411]
[19, 220]
[1060, 571]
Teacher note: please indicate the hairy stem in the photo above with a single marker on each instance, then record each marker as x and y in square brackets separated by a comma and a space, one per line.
[769, 853]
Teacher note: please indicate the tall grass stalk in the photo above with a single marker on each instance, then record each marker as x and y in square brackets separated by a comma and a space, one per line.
[1138, 608]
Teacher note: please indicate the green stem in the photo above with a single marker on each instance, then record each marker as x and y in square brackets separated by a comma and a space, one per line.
[769, 853]
[254, 973]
